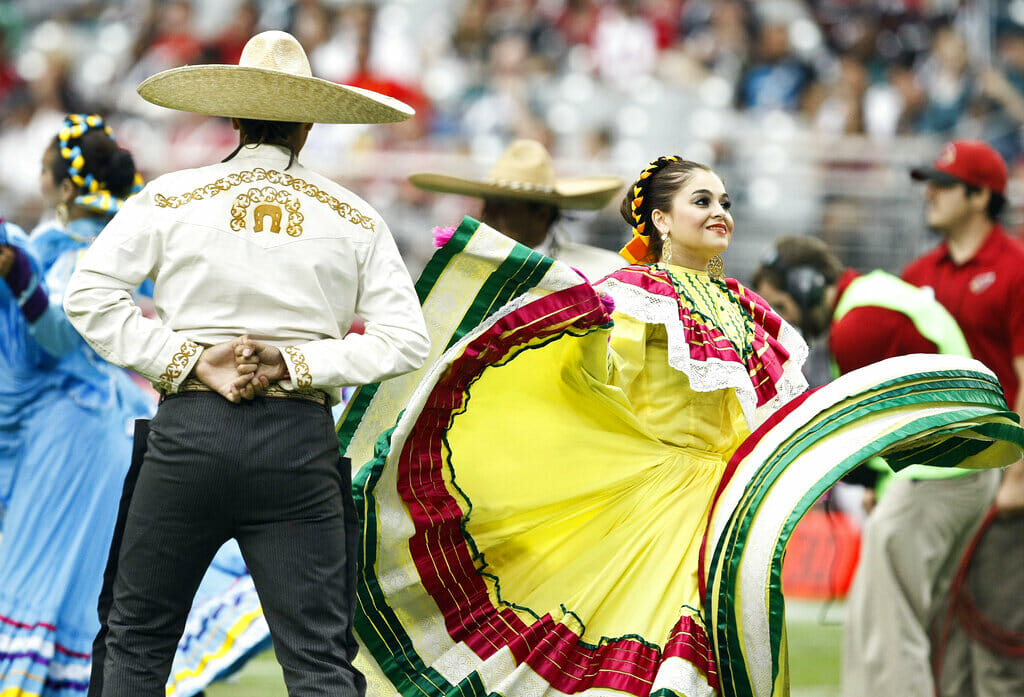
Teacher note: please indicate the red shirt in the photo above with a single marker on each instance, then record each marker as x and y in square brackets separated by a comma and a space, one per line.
[869, 334]
[986, 297]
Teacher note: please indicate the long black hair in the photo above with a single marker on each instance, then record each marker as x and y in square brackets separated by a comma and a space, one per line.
[257, 132]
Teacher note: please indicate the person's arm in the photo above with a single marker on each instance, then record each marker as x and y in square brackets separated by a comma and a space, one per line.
[98, 300]
[23, 281]
[995, 85]
[53, 332]
[38, 302]
[394, 340]
[1010, 497]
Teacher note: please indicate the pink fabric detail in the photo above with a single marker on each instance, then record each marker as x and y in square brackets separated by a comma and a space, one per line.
[645, 278]
[442, 235]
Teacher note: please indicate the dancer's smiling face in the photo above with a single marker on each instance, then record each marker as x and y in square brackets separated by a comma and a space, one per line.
[699, 222]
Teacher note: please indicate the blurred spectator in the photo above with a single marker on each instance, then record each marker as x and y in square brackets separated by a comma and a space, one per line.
[775, 78]
[469, 37]
[24, 131]
[577, 21]
[843, 223]
[165, 38]
[9, 78]
[946, 76]
[1001, 99]
[365, 76]
[664, 16]
[313, 24]
[52, 87]
[522, 17]
[227, 46]
[718, 36]
[170, 39]
[841, 110]
[625, 43]
[893, 105]
[500, 105]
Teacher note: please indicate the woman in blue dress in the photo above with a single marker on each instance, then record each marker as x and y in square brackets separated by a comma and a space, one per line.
[66, 420]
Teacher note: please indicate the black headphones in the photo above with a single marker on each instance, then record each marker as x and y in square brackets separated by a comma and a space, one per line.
[805, 284]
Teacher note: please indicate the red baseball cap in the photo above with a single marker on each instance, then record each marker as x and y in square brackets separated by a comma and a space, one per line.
[967, 162]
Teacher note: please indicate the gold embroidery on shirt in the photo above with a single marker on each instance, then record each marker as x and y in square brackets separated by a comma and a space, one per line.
[273, 176]
[268, 197]
[178, 363]
[260, 212]
[303, 379]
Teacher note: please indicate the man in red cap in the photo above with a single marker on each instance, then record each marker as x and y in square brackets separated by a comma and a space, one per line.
[977, 273]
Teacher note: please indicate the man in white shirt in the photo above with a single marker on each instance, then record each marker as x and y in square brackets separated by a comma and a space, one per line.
[522, 198]
[260, 246]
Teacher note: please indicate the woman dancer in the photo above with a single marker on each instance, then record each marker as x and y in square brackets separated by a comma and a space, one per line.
[66, 421]
[604, 443]
[533, 521]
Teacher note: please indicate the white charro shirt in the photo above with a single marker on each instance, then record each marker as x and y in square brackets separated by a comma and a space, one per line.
[250, 246]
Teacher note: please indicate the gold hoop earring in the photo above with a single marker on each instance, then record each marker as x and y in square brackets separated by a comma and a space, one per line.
[63, 214]
[716, 267]
[666, 248]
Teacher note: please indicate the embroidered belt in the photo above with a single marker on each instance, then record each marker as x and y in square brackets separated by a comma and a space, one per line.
[275, 391]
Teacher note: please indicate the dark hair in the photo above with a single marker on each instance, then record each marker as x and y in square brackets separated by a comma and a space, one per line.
[257, 132]
[792, 251]
[996, 201]
[657, 190]
[803, 267]
[108, 163]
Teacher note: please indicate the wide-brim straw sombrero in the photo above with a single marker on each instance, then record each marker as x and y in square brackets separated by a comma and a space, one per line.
[525, 172]
[272, 82]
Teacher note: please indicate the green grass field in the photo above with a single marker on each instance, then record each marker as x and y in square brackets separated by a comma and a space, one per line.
[815, 639]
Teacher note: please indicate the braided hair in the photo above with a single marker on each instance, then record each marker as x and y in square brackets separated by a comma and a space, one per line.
[104, 174]
[653, 190]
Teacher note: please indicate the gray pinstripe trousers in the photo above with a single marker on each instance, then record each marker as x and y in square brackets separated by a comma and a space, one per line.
[268, 473]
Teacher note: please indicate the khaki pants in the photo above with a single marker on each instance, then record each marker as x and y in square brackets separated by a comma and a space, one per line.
[911, 548]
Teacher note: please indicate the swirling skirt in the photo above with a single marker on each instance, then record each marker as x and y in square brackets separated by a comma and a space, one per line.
[523, 534]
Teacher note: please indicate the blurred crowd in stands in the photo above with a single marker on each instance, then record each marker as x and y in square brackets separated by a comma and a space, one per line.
[813, 109]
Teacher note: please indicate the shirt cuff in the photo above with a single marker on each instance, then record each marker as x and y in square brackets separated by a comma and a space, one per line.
[298, 368]
[178, 368]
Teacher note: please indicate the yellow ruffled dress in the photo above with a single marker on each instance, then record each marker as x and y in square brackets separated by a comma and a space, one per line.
[543, 504]
[546, 489]
[601, 463]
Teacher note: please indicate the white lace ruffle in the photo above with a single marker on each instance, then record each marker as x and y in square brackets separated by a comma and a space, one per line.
[712, 374]
[792, 383]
